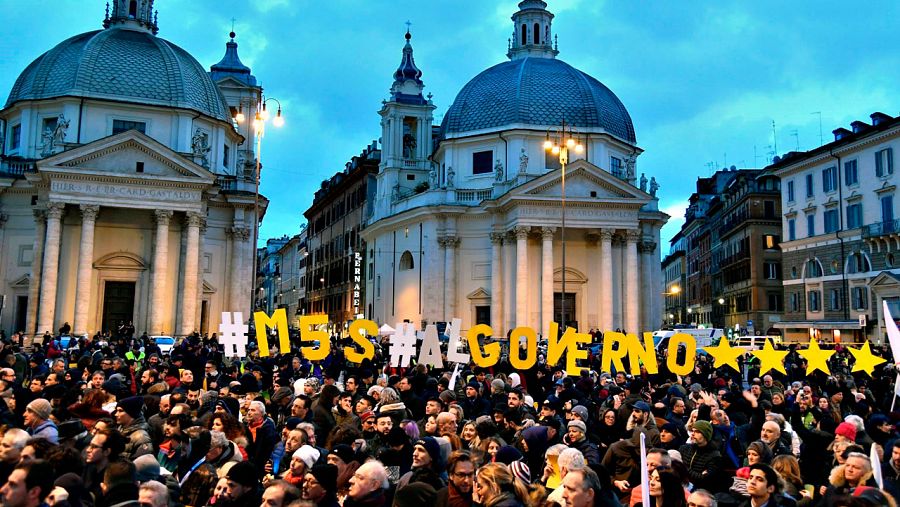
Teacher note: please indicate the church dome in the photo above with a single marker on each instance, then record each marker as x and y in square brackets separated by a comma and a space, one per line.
[537, 91]
[121, 64]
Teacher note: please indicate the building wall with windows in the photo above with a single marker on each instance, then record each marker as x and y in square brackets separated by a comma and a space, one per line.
[840, 232]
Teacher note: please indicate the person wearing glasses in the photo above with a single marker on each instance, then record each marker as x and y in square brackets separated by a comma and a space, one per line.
[461, 475]
[320, 485]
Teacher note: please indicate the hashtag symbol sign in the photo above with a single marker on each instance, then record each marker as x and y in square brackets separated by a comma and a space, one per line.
[233, 334]
[403, 345]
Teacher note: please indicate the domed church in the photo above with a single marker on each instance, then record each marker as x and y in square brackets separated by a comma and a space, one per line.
[468, 218]
[127, 190]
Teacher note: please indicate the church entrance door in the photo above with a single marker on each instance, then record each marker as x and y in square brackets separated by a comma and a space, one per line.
[118, 304]
[570, 313]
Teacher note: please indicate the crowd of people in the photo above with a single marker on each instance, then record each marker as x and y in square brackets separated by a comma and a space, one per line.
[114, 422]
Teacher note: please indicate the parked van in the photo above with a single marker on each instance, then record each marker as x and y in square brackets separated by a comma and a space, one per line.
[704, 337]
[754, 342]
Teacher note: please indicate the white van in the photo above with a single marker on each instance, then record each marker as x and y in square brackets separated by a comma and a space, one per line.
[754, 342]
[704, 337]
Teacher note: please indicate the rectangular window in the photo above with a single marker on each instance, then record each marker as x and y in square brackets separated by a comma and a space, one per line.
[15, 137]
[792, 229]
[615, 167]
[120, 126]
[860, 298]
[834, 299]
[770, 241]
[225, 155]
[795, 302]
[769, 209]
[810, 225]
[482, 162]
[378, 287]
[776, 302]
[772, 270]
[829, 179]
[813, 301]
[884, 162]
[810, 191]
[887, 210]
[831, 220]
[790, 190]
[854, 215]
[851, 177]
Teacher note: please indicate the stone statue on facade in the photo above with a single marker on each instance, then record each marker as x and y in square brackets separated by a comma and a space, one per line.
[200, 147]
[450, 175]
[523, 162]
[629, 167]
[654, 186]
[409, 146]
[498, 171]
[432, 177]
[59, 133]
[643, 182]
[47, 142]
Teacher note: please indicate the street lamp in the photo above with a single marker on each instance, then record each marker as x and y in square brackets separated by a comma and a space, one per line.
[562, 141]
[259, 127]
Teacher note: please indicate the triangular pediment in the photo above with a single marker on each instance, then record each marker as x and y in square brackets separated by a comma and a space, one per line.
[479, 293]
[885, 279]
[583, 181]
[21, 282]
[118, 155]
[209, 288]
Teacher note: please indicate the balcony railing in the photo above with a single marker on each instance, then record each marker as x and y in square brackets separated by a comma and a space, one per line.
[881, 228]
[17, 166]
[464, 195]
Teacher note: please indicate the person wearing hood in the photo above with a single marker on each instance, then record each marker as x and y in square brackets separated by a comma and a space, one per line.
[535, 442]
[133, 427]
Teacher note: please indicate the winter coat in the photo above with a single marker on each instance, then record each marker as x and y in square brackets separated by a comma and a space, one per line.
[702, 463]
[137, 439]
[839, 486]
[262, 442]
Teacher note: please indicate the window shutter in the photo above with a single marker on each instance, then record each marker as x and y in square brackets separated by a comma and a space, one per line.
[879, 170]
[889, 153]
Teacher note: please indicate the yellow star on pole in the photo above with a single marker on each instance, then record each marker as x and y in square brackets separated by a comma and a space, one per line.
[724, 354]
[865, 360]
[816, 358]
[770, 359]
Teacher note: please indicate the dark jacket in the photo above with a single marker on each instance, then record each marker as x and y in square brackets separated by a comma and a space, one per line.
[589, 450]
[259, 449]
[374, 499]
[703, 463]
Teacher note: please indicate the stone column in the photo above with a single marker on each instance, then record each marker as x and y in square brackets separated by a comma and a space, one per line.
[191, 261]
[198, 313]
[237, 269]
[606, 285]
[497, 283]
[521, 276]
[632, 283]
[450, 244]
[249, 275]
[85, 267]
[649, 266]
[37, 262]
[547, 279]
[160, 267]
[50, 268]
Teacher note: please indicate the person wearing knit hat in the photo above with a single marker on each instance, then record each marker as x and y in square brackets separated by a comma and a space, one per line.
[521, 471]
[307, 454]
[507, 454]
[146, 468]
[321, 485]
[431, 457]
[703, 460]
[37, 420]
[131, 406]
[243, 482]
[758, 452]
[845, 432]
[579, 425]
[704, 428]
[581, 412]
[447, 397]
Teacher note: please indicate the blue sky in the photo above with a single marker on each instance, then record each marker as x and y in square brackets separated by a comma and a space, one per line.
[703, 80]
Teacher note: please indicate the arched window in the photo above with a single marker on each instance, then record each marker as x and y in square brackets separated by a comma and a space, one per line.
[132, 9]
[537, 33]
[524, 34]
[406, 261]
[858, 263]
[813, 269]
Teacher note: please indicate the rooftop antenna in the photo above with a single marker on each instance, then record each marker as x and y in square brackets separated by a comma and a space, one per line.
[710, 165]
[774, 138]
[821, 139]
[796, 135]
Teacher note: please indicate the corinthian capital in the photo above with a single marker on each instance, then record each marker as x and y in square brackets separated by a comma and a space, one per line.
[55, 210]
[497, 238]
[522, 232]
[547, 233]
[89, 212]
[632, 236]
[193, 219]
[162, 216]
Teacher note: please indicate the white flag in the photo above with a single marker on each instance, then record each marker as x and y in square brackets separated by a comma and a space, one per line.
[892, 332]
[645, 477]
[876, 467]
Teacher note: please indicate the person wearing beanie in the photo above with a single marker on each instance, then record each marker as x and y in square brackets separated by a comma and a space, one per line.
[576, 437]
[37, 420]
[321, 485]
[758, 452]
[427, 464]
[133, 427]
[474, 405]
[701, 458]
[242, 485]
[845, 432]
[521, 471]
[302, 460]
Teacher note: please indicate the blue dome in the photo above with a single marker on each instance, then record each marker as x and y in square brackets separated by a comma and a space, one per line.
[121, 65]
[540, 92]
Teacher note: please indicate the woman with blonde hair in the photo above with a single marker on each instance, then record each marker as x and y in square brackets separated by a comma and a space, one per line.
[788, 468]
[495, 486]
[469, 435]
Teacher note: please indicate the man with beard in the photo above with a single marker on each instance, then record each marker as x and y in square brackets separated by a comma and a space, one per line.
[193, 399]
[241, 486]
[367, 422]
[133, 427]
[461, 474]
[343, 411]
[642, 417]
[106, 446]
[28, 485]
[300, 408]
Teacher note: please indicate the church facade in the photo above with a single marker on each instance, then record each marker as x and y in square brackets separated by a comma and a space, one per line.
[127, 186]
[468, 217]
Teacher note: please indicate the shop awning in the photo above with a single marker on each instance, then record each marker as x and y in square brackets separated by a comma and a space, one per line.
[819, 324]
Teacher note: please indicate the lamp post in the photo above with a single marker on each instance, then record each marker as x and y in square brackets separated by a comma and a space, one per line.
[562, 141]
[259, 127]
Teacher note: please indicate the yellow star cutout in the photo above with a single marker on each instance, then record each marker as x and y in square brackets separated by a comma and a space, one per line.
[724, 354]
[865, 360]
[770, 359]
[816, 358]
